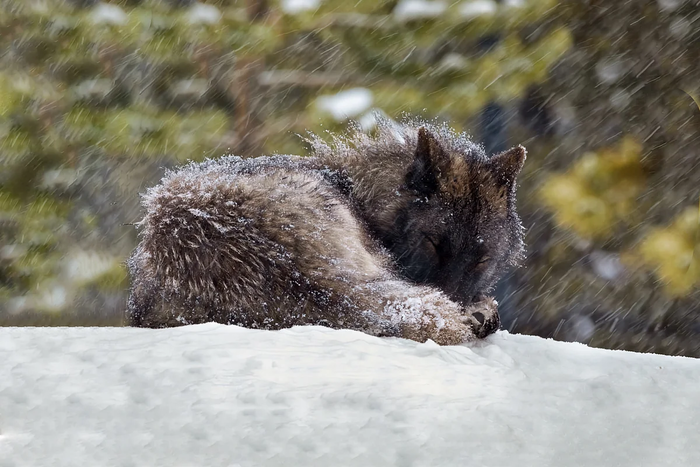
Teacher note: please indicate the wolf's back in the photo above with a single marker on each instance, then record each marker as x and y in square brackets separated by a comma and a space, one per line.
[202, 256]
[267, 242]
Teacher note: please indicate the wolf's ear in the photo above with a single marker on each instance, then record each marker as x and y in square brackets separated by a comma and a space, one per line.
[507, 165]
[431, 160]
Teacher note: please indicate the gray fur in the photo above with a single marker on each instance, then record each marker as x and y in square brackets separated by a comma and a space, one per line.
[279, 241]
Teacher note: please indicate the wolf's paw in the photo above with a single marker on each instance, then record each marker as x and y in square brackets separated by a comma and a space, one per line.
[444, 329]
[483, 317]
[476, 321]
[456, 330]
[433, 316]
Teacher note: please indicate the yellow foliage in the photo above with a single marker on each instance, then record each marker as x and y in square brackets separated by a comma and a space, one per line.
[600, 190]
[674, 253]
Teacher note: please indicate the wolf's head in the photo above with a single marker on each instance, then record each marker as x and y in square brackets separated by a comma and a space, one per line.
[454, 223]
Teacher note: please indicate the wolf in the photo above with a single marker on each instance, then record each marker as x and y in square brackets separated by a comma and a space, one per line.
[401, 233]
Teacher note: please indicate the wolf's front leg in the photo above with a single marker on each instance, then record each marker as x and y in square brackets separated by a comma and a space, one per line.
[437, 318]
[420, 313]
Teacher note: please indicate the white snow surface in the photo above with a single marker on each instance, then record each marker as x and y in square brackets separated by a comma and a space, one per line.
[105, 13]
[293, 7]
[346, 104]
[476, 8]
[407, 10]
[214, 395]
[203, 14]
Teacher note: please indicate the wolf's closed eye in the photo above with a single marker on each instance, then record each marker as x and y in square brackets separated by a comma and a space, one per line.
[435, 244]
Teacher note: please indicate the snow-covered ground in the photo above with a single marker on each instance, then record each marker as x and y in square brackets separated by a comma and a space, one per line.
[214, 395]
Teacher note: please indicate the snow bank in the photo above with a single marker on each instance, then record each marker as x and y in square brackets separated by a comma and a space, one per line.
[226, 396]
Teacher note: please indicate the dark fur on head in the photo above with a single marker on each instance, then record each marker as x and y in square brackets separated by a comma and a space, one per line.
[443, 208]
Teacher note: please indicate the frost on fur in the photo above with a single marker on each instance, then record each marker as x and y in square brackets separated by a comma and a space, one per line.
[402, 233]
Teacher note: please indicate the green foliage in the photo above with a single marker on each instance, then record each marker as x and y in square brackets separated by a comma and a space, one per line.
[96, 100]
[84, 89]
[152, 133]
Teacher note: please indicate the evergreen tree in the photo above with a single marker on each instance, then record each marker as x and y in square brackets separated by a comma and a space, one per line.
[97, 99]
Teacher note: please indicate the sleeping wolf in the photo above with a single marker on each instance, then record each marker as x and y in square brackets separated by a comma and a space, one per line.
[398, 234]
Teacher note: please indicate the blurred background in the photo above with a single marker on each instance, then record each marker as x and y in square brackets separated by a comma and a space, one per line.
[98, 99]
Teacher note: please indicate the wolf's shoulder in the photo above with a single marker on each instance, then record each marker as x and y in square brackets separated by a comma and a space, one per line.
[233, 166]
[223, 173]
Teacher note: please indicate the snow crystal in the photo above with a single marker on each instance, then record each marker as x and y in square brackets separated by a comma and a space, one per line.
[105, 13]
[204, 14]
[223, 229]
[199, 213]
[312, 396]
[293, 7]
[346, 104]
[407, 10]
[478, 8]
[409, 310]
